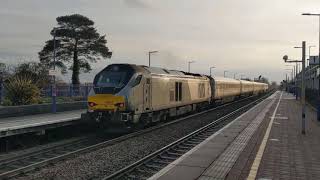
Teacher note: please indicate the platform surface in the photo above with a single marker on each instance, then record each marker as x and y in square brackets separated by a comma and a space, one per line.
[23, 124]
[264, 143]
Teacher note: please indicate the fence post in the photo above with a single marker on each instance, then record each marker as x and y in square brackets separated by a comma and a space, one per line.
[70, 90]
[87, 90]
[54, 101]
[1, 91]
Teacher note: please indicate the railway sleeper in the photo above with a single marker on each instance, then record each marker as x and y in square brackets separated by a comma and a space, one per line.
[179, 150]
[14, 166]
[153, 166]
[191, 143]
[136, 177]
[161, 162]
[146, 170]
[204, 137]
[174, 154]
[185, 148]
[200, 139]
[168, 157]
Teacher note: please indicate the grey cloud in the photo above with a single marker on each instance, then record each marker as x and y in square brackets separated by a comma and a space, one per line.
[136, 3]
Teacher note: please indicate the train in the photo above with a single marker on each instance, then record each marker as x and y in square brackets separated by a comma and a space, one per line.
[131, 95]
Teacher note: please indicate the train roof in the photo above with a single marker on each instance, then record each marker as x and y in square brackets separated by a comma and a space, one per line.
[224, 79]
[246, 81]
[163, 71]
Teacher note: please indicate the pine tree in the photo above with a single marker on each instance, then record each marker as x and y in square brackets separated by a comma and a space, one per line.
[77, 45]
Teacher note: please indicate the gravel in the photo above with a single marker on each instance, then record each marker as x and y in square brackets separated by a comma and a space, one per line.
[105, 161]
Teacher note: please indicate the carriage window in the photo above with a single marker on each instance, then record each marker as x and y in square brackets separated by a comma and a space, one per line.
[178, 91]
[137, 81]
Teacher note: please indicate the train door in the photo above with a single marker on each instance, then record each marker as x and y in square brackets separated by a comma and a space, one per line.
[147, 94]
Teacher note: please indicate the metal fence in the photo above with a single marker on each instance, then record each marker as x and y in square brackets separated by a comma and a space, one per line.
[68, 90]
[79, 92]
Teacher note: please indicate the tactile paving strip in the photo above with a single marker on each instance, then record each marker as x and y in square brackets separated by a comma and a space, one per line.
[221, 167]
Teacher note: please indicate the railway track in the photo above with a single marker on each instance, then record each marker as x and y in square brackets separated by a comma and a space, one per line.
[22, 164]
[153, 163]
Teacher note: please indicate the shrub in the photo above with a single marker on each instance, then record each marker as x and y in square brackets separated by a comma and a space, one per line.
[7, 102]
[21, 90]
[36, 72]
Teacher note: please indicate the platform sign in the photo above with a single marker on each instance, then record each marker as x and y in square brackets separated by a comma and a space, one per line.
[314, 60]
[53, 72]
[54, 91]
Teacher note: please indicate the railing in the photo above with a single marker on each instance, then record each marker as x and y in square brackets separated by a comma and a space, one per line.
[67, 91]
[75, 93]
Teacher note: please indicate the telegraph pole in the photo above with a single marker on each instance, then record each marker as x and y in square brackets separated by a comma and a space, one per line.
[303, 131]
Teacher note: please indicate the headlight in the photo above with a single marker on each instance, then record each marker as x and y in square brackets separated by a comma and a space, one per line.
[91, 104]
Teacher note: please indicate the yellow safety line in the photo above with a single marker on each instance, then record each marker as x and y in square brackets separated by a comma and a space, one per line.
[256, 163]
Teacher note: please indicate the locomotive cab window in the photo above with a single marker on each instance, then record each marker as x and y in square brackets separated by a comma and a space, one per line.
[112, 79]
[137, 81]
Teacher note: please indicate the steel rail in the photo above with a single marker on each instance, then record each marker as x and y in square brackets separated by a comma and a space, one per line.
[127, 170]
[52, 160]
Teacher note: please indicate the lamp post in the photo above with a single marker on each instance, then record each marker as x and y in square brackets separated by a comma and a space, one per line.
[210, 69]
[318, 108]
[286, 59]
[189, 62]
[291, 73]
[53, 87]
[296, 76]
[151, 52]
[309, 54]
[224, 73]
[286, 82]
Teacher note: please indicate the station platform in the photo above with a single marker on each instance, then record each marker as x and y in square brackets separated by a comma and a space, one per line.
[35, 123]
[263, 143]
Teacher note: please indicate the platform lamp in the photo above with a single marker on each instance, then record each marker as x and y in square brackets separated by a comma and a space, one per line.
[291, 73]
[210, 70]
[149, 53]
[53, 86]
[293, 70]
[308, 63]
[318, 105]
[224, 73]
[287, 60]
[189, 62]
[296, 75]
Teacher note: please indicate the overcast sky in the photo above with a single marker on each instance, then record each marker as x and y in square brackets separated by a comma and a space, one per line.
[247, 37]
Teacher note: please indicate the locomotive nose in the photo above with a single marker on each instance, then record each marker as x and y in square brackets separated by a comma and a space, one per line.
[106, 102]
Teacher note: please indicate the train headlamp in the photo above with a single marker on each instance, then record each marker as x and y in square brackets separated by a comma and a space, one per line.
[91, 104]
[121, 105]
